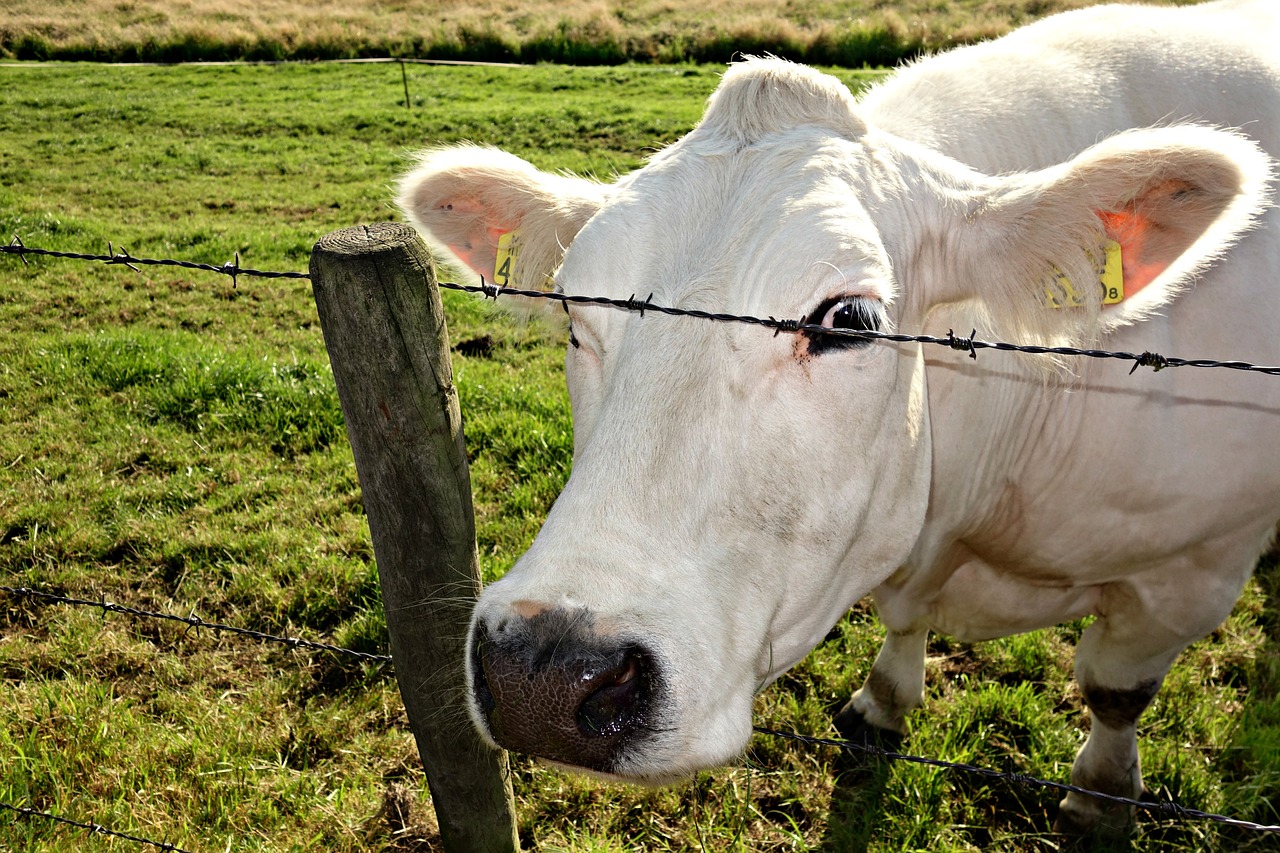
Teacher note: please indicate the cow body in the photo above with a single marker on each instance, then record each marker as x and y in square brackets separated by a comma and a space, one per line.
[733, 493]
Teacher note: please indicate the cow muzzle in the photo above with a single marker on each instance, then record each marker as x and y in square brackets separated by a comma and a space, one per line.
[545, 683]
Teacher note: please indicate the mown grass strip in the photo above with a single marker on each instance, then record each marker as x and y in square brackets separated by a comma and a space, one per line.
[853, 34]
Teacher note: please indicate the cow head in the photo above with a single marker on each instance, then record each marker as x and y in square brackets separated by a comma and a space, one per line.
[734, 491]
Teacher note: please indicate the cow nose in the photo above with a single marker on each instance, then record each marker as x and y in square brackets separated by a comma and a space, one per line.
[549, 686]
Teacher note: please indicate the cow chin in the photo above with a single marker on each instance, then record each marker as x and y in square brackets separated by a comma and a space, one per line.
[547, 682]
[699, 742]
[658, 760]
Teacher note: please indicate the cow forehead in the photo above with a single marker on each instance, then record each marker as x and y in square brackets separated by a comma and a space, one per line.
[770, 226]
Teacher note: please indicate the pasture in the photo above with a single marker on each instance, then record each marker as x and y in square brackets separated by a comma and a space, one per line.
[852, 33]
[171, 442]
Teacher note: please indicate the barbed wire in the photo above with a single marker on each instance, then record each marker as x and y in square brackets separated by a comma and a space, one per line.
[123, 257]
[196, 622]
[95, 828]
[970, 343]
[193, 622]
[1165, 807]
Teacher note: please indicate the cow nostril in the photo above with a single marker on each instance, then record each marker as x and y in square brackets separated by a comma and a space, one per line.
[618, 702]
[550, 687]
[479, 681]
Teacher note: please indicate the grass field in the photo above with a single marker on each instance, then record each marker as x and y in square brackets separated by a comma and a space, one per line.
[173, 443]
[851, 33]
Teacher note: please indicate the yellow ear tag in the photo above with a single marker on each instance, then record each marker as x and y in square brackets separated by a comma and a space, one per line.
[1111, 278]
[504, 266]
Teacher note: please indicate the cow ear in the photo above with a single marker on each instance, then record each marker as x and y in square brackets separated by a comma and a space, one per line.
[466, 200]
[1144, 211]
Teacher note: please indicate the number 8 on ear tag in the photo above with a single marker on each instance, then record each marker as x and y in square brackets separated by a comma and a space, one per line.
[1113, 275]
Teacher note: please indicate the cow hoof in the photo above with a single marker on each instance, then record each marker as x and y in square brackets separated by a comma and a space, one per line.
[1069, 823]
[1099, 823]
[855, 728]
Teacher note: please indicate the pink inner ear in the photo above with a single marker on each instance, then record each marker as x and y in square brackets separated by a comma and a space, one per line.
[480, 255]
[466, 226]
[477, 259]
[1131, 230]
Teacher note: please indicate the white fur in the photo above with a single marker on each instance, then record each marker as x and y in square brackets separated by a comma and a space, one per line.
[731, 496]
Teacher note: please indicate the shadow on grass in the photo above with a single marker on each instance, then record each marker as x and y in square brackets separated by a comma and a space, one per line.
[1020, 817]
[1252, 760]
[857, 808]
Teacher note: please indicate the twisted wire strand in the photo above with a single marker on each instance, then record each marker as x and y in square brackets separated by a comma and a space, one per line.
[95, 828]
[970, 344]
[1168, 808]
[1164, 807]
[123, 257]
[196, 622]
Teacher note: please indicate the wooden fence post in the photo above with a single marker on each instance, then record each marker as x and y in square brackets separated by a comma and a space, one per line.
[384, 327]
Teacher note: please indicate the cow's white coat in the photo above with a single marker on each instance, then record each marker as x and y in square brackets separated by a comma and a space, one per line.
[732, 494]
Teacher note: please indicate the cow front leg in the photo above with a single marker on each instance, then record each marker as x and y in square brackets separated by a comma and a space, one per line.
[877, 712]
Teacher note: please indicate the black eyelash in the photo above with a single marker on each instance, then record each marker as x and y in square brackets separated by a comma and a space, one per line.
[573, 339]
[862, 316]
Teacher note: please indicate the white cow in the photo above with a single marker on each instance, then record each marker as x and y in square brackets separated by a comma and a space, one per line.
[734, 492]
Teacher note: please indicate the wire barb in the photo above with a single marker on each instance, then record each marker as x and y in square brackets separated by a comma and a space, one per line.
[1150, 359]
[232, 268]
[16, 243]
[124, 258]
[633, 304]
[963, 344]
[780, 326]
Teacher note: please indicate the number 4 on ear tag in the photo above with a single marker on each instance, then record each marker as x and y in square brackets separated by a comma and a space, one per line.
[504, 267]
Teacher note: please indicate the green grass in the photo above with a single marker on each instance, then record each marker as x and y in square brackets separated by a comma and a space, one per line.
[170, 442]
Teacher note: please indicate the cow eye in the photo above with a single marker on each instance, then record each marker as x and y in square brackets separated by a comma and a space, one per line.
[573, 339]
[854, 313]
